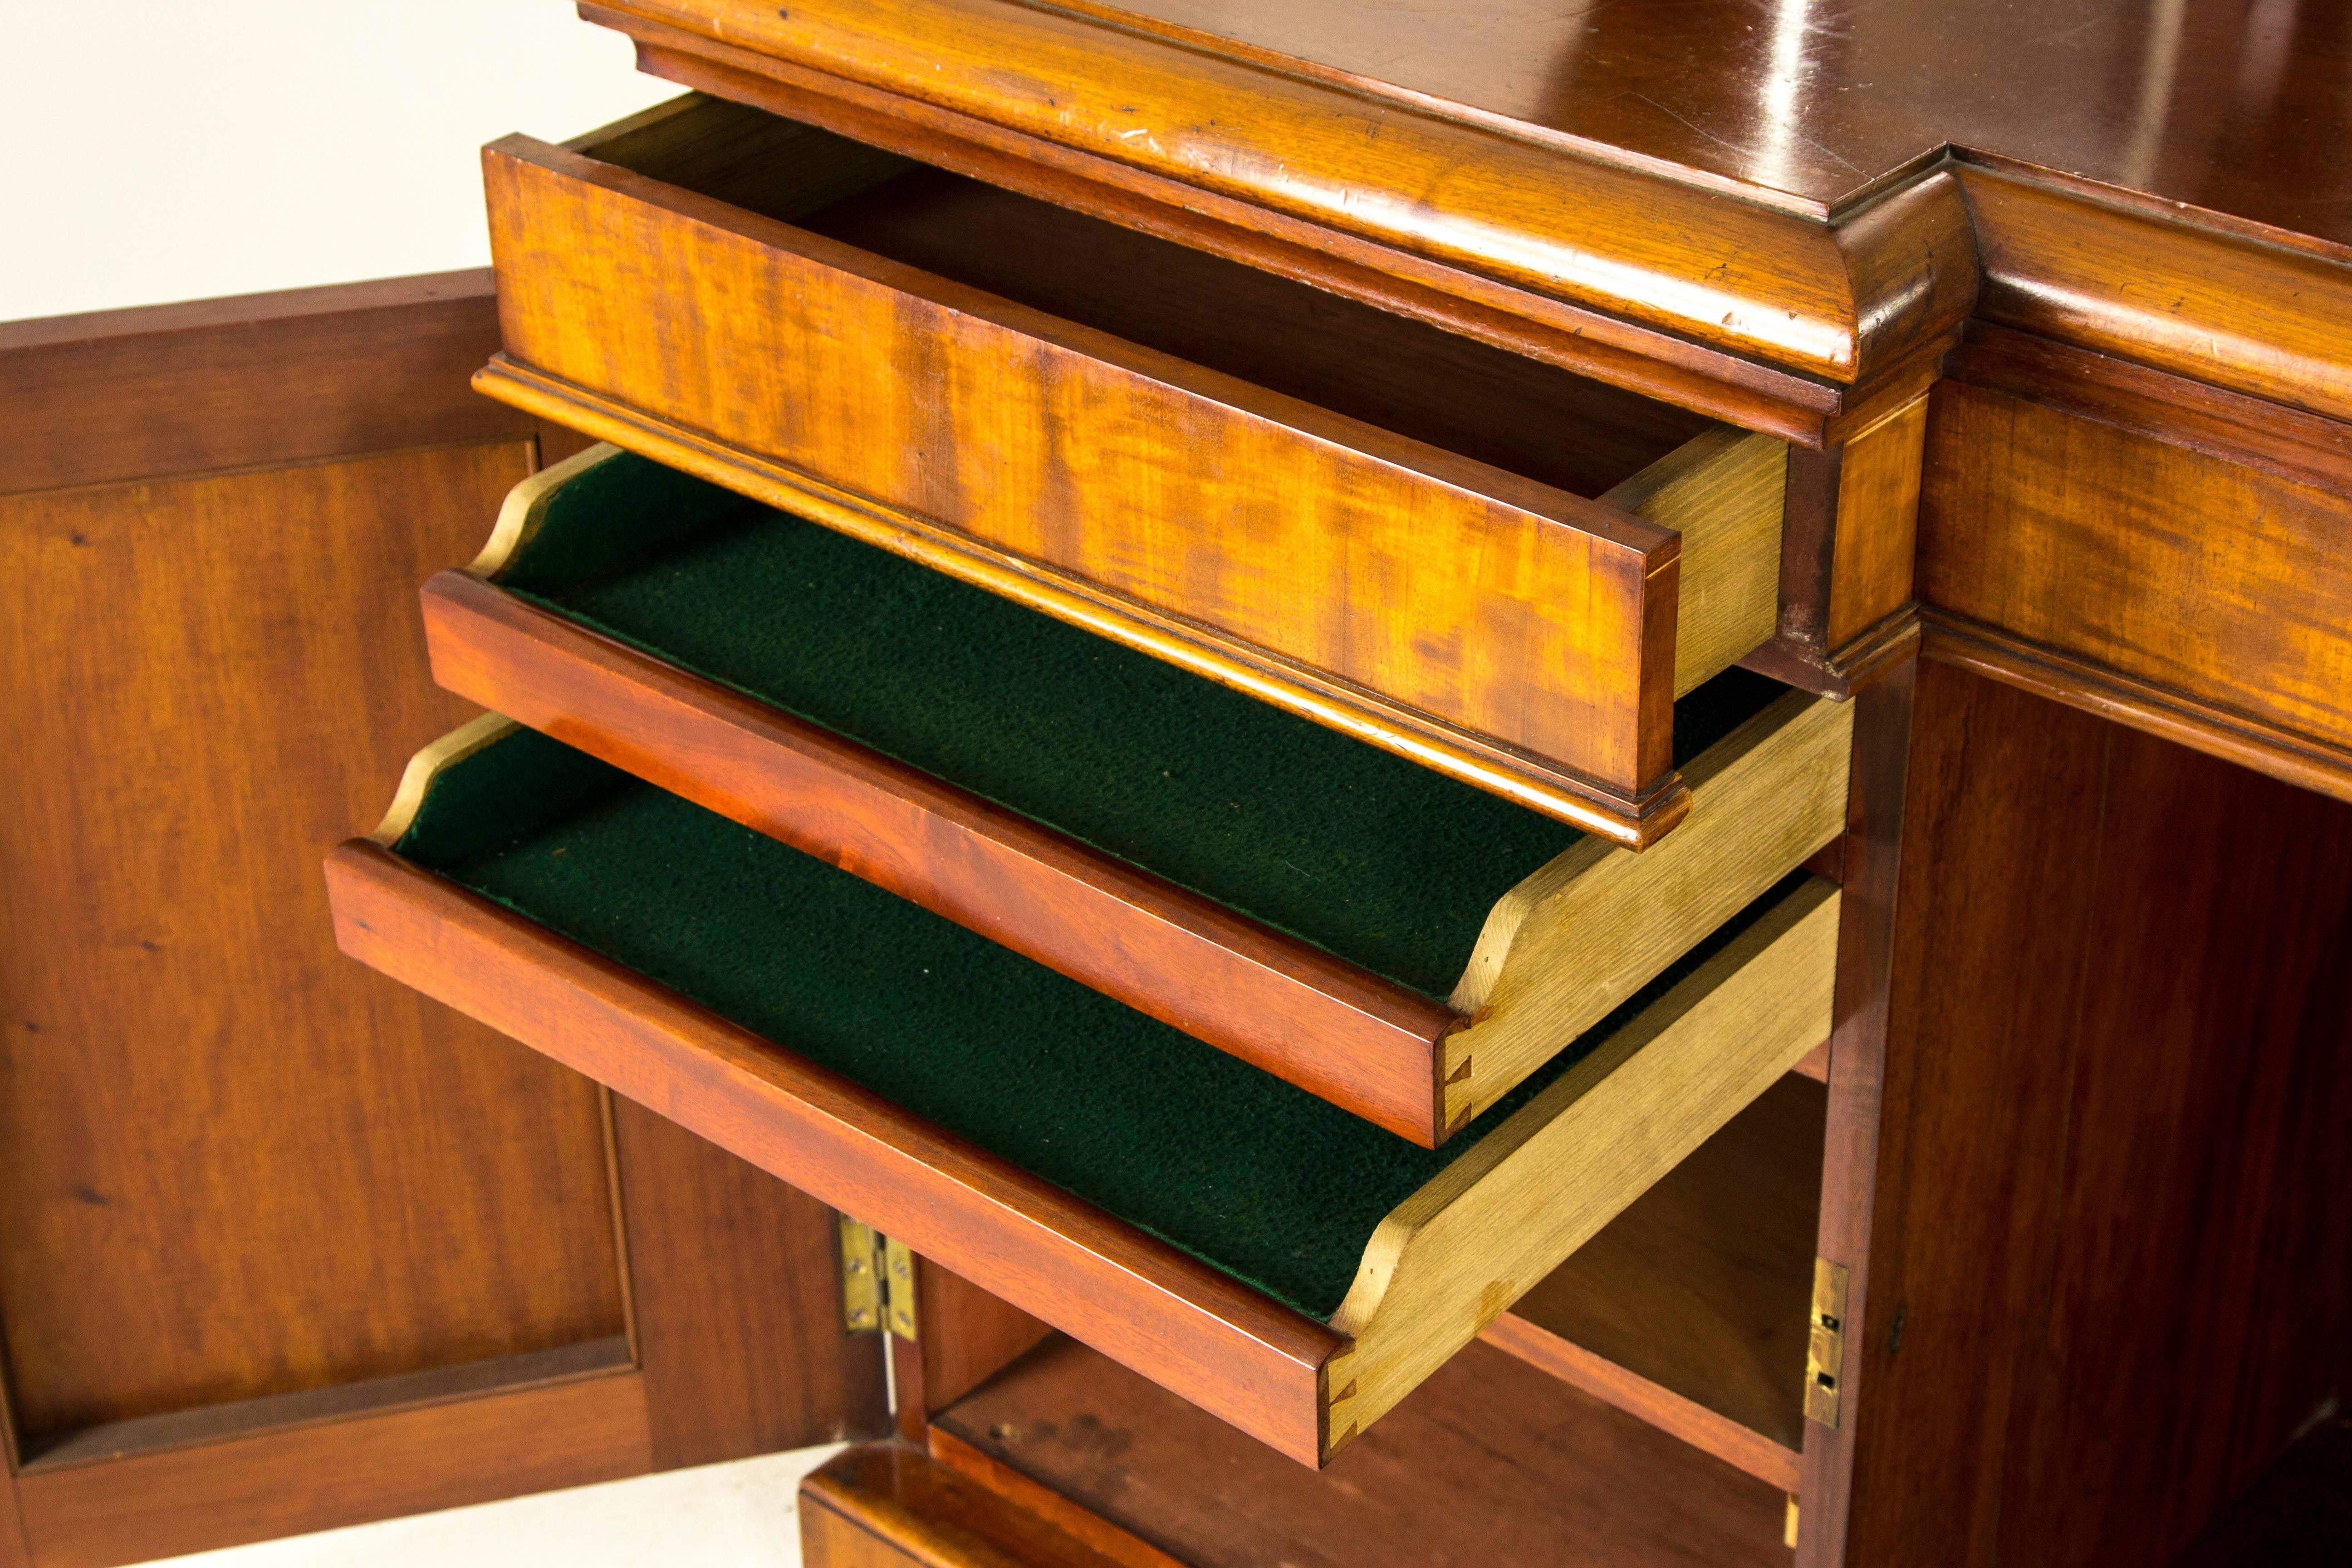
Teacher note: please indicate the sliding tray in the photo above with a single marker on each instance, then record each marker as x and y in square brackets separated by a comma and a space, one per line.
[1488, 563]
[1278, 1262]
[1379, 934]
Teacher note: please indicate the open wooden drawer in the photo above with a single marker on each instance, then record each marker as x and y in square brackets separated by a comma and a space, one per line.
[1270, 1258]
[1486, 563]
[1382, 935]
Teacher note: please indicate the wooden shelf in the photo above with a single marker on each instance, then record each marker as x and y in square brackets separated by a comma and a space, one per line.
[1483, 1464]
[1268, 1257]
[1690, 1310]
[1384, 937]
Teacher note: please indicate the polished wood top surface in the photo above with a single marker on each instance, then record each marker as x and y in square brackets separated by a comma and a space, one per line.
[2243, 106]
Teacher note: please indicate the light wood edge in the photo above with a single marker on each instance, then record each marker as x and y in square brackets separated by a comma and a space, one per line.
[429, 762]
[1725, 491]
[1707, 1430]
[1456, 1255]
[525, 507]
[1479, 760]
[1597, 923]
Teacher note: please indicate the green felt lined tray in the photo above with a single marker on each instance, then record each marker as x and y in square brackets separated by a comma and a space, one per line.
[1262, 1181]
[1350, 847]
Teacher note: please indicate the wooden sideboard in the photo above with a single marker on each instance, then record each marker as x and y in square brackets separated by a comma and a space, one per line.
[1497, 387]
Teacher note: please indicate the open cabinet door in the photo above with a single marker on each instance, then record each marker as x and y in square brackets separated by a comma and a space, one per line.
[282, 1246]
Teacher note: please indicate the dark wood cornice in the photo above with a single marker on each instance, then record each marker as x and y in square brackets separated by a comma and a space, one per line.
[1772, 312]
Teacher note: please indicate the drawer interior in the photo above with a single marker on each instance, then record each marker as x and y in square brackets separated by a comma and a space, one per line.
[1390, 865]
[1403, 375]
[1261, 1181]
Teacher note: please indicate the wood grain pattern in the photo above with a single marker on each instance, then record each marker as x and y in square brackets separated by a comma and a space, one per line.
[1440, 1266]
[1623, 355]
[1869, 874]
[265, 379]
[1877, 524]
[1454, 1255]
[234, 1165]
[1296, 1010]
[1219, 1344]
[2137, 973]
[737, 1304]
[1488, 198]
[1071, 448]
[1689, 1310]
[1488, 1462]
[2169, 567]
[1099, 471]
[2201, 1278]
[1588, 930]
[292, 1479]
[887, 1505]
[2235, 310]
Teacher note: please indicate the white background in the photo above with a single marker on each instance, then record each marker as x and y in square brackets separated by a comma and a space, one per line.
[163, 151]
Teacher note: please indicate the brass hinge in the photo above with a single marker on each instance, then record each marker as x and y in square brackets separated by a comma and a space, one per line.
[878, 1282]
[1825, 1350]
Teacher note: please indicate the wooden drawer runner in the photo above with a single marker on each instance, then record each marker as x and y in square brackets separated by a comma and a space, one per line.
[1489, 564]
[1280, 1263]
[1383, 936]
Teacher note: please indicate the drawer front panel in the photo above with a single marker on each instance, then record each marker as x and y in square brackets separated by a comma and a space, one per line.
[1527, 620]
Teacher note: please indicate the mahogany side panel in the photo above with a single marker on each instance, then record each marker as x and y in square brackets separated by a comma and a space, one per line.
[2111, 1263]
[1983, 942]
[2201, 1293]
[1509, 207]
[1336, 1030]
[1501, 607]
[2178, 578]
[1869, 871]
[1217, 1344]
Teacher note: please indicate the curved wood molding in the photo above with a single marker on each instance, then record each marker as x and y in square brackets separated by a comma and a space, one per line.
[1790, 316]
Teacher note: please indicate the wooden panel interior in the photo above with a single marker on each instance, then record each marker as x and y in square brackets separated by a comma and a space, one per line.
[2111, 1263]
[233, 1163]
[1486, 1462]
[1701, 1289]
